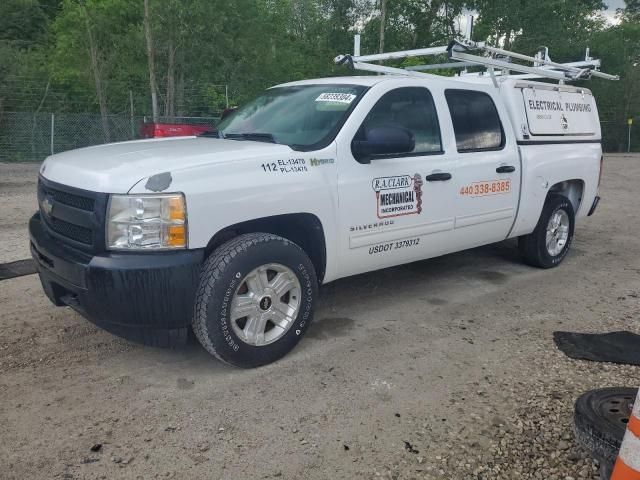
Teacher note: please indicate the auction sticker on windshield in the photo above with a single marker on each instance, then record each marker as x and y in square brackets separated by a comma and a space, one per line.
[336, 97]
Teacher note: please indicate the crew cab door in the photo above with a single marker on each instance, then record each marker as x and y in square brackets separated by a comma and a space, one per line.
[488, 175]
[395, 207]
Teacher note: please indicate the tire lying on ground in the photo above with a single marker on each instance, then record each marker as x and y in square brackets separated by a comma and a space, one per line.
[255, 300]
[549, 243]
[599, 422]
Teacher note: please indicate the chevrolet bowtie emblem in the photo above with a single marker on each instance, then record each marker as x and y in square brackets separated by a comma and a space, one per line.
[47, 205]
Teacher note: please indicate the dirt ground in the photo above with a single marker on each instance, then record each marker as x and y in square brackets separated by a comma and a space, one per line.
[19, 202]
[442, 369]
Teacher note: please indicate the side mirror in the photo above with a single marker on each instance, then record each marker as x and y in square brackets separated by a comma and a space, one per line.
[227, 111]
[383, 141]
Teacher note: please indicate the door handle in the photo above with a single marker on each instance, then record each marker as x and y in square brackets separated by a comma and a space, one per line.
[438, 177]
[506, 169]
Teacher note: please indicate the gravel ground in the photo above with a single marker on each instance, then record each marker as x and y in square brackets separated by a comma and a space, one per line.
[442, 369]
[18, 197]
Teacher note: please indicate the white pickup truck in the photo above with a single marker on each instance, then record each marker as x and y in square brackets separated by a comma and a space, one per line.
[229, 234]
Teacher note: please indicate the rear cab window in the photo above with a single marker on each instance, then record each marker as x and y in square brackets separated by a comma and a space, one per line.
[476, 122]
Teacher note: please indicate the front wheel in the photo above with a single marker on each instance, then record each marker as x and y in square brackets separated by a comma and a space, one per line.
[549, 243]
[255, 299]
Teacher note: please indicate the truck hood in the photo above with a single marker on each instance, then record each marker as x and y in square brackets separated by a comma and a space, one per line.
[117, 167]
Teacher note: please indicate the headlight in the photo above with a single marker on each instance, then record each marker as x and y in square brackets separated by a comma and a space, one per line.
[147, 222]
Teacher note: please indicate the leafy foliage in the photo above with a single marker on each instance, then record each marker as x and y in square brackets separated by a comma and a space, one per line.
[49, 61]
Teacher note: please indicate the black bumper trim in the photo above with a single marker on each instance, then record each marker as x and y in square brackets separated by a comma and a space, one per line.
[596, 201]
[147, 298]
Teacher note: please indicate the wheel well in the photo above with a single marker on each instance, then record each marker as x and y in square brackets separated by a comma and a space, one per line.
[572, 189]
[304, 229]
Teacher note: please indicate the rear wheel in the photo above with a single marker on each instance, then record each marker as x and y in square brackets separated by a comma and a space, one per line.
[549, 243]
[255, 299]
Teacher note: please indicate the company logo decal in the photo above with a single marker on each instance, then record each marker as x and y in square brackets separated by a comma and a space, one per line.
[557, 106]
[316, 162]
[397, 196]
[564, 122]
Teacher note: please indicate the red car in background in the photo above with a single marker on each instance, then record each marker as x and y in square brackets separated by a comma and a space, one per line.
[156, 130]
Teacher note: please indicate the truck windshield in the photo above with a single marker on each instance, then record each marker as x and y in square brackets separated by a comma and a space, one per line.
[301, 116]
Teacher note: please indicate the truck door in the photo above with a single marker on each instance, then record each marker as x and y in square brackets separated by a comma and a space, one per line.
[397, 207]
[488, 177]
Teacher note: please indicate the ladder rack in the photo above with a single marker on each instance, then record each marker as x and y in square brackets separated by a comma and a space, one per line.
[467, 53]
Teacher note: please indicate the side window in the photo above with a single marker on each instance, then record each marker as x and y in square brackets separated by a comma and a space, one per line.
[411, 109]
[476, 122]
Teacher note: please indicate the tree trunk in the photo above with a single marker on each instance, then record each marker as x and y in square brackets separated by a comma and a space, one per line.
[170, 101]
[429, 17]
[507, 39]
[383, 21]
[34, 122]
[97, 78]
[180, 92]
[151, 58]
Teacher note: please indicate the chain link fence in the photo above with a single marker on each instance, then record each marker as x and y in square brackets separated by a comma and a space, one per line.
[30, 137]
[619, 136]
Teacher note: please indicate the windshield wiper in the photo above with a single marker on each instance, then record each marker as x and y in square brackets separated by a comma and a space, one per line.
[210, 133]
[255, 136]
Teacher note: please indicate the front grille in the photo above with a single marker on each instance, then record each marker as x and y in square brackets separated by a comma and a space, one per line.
[69, 230]
[76, 201]
[72, 215]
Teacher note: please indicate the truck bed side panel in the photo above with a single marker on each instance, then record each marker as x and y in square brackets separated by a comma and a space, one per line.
[545, 165]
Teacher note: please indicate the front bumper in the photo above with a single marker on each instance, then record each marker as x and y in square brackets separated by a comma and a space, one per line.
[148, 298]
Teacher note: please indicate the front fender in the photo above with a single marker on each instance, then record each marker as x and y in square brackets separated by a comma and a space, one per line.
[224, 194]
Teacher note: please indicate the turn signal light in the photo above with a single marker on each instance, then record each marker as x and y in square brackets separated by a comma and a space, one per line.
[177, 236]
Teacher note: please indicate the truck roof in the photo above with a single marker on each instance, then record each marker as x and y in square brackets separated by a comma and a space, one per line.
[468, 81]
[366, 80]
[371, 80]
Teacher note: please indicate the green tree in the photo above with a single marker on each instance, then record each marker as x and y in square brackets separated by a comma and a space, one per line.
[414, 24]
[526, 26]
[93, 39]
[91, 55]
[24, 27]
[619, 48]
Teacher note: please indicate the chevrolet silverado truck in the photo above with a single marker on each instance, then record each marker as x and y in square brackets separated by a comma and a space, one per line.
[228, 235]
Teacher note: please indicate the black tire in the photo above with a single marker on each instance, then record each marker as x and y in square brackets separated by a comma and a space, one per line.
[533, 247]
[221, 275]
[599, 422]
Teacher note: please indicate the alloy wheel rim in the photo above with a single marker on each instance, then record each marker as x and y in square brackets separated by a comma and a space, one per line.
[557, 232]
[265, 304]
